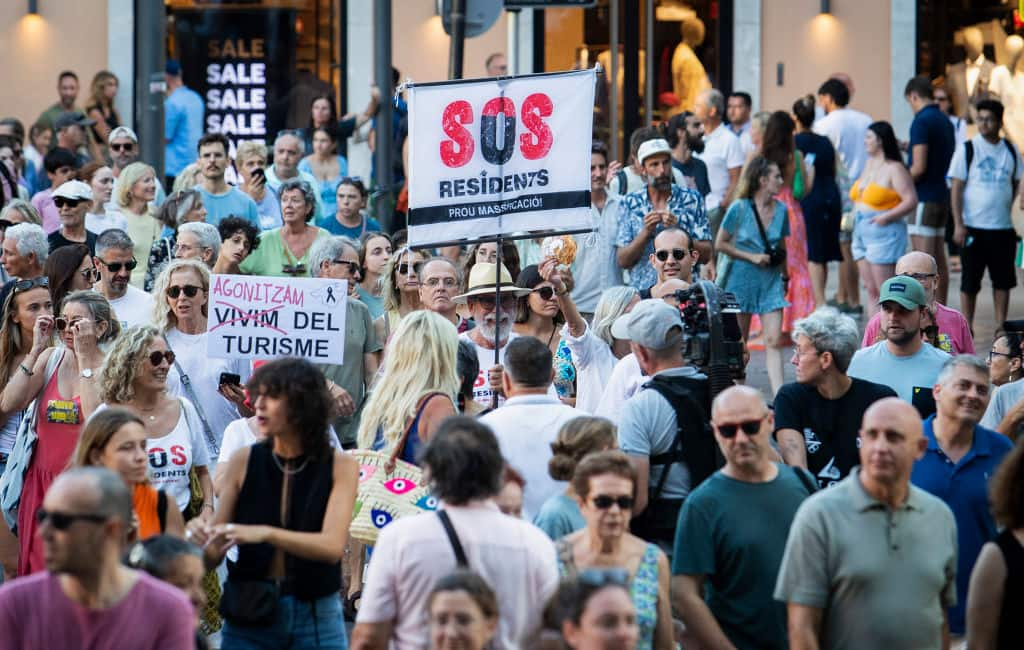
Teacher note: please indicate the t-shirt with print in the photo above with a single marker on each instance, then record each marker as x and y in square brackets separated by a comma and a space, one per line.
[988, 190]
[931, 127]
[172, 456]
[485, 356]
[829, 426]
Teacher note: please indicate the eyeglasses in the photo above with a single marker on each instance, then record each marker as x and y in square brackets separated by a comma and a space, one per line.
[508, 303]
[89, 274]
[156, 357]
[187, 247]
[353, 267]
[449, 283]
[25, 285]
[403, 268]
[122, 146]
[995, 353]
[294, 269]
[677, 254]
[62, 322]
[63, 520]
[190, 291]
[602, 577]
[115, 267]
[603, 502]
[920, 276]
[545, 293]
[750, 427]
[60, 202]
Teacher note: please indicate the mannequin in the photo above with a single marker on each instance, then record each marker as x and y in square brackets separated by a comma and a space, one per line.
[969, 82]
[1008, 84]
[689, 78]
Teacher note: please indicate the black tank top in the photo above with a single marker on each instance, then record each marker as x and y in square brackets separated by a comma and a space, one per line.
[259, 503]
[1011, 626]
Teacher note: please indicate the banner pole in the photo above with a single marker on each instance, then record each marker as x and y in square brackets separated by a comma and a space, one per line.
[497, 315]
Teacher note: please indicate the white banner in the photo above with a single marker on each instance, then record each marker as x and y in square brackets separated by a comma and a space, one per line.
[254, 317]
[499, 156]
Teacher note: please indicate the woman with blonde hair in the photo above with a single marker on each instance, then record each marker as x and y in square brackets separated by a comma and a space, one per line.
[101, 109]
[19, 211]
[136, 187]
[401, 290]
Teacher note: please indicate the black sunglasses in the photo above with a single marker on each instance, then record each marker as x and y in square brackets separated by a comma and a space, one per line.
[115, 267]
[122, 146]
[294, 269]
[190, 291]
[62, 520]
[403, 268]
[90, 274]
[603, 502]
[60, 202]
[602, 577]
[508, 303]
[353, 267]
[750, 427]
[25, 285]
[545, 293]
[677, 254]
[156, 357]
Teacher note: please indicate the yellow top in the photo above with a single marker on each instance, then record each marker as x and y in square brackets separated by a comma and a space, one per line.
[875, 196]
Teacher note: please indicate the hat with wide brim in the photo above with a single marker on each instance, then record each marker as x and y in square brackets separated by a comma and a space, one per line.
[481, 283]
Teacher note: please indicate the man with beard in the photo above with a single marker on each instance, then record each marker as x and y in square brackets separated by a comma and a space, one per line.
[439, 279]
[685, 134]
[960, 459]
[673, 259]
[902, 360]
[114, 261]
[659, 205]
[288, 149]
[220, 199]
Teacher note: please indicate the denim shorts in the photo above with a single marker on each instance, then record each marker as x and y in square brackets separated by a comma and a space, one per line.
[296, 627]
[878, 244]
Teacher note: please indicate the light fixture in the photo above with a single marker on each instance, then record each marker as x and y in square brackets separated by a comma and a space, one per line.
[826, 6]
[33, 7]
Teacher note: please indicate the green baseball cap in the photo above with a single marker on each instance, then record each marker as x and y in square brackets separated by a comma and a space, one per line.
[903, 290]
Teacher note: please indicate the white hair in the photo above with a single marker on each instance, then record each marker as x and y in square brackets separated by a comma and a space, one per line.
[326, 249]
[30, 238]
[207, 234]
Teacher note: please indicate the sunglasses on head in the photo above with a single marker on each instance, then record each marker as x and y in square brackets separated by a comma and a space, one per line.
[294, 269]
[63, 520]
[25, 285]
[603, 502]
[677, 254]
[750, 428]
[545, 293]
[156, 357]
[190, 291]
[353, 267]
[403, 268]
[115, 267]
[60, 202]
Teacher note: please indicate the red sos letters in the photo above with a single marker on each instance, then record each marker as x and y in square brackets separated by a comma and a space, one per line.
[533, 144]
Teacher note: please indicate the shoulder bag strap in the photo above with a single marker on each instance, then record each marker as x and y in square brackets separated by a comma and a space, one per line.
[760, 227]
[453, 538]
[400, 443]
[161, 509]
[211, 440]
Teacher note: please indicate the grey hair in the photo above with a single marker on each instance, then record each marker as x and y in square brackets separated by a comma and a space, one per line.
[207, 234]
[961, 361]
[286, 134]
[30, 238]
[28, 212]
[716, 100]
[112, 496]
[308, 195]
[830, 331]
[441, 258]
[328, 248]
[611, 305]
[113, 239]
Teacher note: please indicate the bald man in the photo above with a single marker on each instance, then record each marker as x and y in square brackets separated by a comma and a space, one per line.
[871, 562]
[726, 559]
[954, 332]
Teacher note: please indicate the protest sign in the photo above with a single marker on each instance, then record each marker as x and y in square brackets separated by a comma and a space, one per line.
[253, 317]
[500, 156]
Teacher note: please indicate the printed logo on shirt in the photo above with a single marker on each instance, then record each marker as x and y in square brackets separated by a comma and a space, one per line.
[62, 411]
[945, 343]
[829, 474]
[160, 458]
[811, 440]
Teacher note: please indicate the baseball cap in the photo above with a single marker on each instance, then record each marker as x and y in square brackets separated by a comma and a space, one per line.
[650, 325]
[653, 148]
[68, 118]
[903, 290]
[74, 190]
[122, 132]
[173, 68]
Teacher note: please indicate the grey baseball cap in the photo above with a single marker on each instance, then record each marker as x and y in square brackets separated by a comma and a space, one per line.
[652, 324]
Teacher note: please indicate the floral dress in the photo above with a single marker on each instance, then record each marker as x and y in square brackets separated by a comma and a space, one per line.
[565, 371]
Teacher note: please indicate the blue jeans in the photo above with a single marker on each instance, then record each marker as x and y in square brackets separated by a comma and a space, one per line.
[295, 627]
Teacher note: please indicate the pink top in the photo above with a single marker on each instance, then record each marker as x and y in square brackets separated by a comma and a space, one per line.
[35, 613]
[43, 202]
[954, 333]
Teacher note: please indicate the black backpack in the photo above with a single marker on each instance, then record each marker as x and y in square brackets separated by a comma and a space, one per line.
[969, 151]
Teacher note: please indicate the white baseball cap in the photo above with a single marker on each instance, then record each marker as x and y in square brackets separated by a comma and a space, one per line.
[653, 148]
[74, 190]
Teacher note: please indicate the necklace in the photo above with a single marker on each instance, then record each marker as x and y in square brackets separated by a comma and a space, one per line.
[286, 470]
[152, 418]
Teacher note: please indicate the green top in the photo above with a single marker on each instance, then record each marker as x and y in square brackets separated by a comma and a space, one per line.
[272, 255]
[360, 339]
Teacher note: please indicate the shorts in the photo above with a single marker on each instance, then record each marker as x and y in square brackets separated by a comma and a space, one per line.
[929, 220]
[878, 244]
[992, 249]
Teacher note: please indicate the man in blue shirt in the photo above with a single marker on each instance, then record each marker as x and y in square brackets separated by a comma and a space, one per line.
[660, 204]
[220, 199]
[961, 458]
[932, 143]
[183, 123]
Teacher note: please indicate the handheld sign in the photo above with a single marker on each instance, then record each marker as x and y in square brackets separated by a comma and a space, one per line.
[500, 156]
[254, 317]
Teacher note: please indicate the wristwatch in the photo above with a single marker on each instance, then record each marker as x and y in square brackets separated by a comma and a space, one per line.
[87, 373]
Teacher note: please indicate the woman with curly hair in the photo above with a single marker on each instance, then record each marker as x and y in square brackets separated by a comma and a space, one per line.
[134, 377]
[179, 208]
[69, 268]
[401, 290]
[239, 238]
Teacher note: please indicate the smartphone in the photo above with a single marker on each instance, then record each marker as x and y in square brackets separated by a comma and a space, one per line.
[260, 174]
[230, 378]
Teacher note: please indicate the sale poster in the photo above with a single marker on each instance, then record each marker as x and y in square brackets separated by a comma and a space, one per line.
[500, 156]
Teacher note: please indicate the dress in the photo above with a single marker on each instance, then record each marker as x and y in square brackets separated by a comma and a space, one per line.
[565, 371]
[58, 425]
[757, 289]
[822, 206]
[800, 293]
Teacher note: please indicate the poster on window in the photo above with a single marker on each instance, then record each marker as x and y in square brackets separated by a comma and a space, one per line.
[500, 156]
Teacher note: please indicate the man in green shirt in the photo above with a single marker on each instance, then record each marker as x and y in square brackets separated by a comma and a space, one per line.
[67, 87]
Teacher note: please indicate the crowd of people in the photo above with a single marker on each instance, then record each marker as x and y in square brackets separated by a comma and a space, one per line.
[585, 486]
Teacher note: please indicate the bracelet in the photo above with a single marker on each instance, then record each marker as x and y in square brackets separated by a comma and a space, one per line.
[25, 369]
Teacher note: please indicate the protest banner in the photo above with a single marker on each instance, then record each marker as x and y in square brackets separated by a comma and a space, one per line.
[253, 317]
[498, 156]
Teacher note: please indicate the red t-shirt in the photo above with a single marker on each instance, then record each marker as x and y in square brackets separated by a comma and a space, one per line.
[954, 333]
[35, 613]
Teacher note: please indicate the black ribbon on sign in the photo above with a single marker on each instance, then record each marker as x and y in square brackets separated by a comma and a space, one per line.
[330, 295]
[499, 207]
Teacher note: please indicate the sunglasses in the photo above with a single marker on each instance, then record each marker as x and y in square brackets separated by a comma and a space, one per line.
[677, 254]
[90, 274]
[62, 323]
[508, 303]
[294, 269]
[190, 291]
[750, 428]
[25, 285]
[353, 267]
[403, 268]
[60, 202]
[156, 357]
[122, 146]
[545, 293]
[602, 577]
[603, 502]
[116, 267]
[63, 520]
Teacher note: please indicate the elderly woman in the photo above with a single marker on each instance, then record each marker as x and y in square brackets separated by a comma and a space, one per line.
[401, 290]
[180, 314]
[1006, 358]
[18, 211]
[238, 239]
[605, 485]
[285, 251]
[69, 268]
[179, 208]
[198, 241]
[135, 188]
[63, 381]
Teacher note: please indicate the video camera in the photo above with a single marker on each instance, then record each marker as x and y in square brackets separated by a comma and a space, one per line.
[712, 340]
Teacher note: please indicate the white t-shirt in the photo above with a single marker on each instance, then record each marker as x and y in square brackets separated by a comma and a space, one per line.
[173, 455]
[625, 380]
[988, 192]
[111, 218]
[135, 307]
[482, 387]
[722, 152]
[845, 127]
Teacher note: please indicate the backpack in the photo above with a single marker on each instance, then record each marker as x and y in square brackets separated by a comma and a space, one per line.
[621, 177]
[969, 151]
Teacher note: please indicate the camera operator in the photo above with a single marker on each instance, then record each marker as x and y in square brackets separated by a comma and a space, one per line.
[665, 426]
[673, 259]
[1005, 412]
[817, 418]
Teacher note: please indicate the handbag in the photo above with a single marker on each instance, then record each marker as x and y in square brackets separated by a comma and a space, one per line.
[13, 479]
[250, 602]
[389, 488]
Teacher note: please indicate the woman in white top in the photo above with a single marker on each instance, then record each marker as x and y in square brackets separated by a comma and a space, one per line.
[101, 180]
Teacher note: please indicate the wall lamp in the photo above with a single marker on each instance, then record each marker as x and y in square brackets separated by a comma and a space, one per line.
[33, 7]
[826, 6]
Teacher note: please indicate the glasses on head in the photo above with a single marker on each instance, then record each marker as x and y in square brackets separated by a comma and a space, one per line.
[90, 274]
[156, 357]
[115, 267]
[403, 268]
[750, 428]
[122, 146]
[60, 202]
[677, 254]
[353, 267]
[63, 520]
[508, 303]
[294, 269]
[545, 293]
[604, 502]
[920, 276]
[448, 283]
[190, 291]
[603, 577]
[25, 285]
